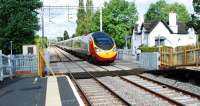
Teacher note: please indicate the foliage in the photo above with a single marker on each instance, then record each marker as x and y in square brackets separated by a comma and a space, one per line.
[38, 41]
[65, 35]
[81, 18]
[196, 5]
[156, 11]
[195, 22]
[18, 23]
[73, 35]
[160, 11]
[84, 22]
[89, 8]
[149, 49]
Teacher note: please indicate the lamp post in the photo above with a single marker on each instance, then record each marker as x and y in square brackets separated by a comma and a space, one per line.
[11, 48]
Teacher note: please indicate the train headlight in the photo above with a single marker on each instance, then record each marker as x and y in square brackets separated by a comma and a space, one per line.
[97, 50]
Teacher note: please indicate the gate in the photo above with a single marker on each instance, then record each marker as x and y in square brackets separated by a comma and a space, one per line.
[25, 64]
[6, 67]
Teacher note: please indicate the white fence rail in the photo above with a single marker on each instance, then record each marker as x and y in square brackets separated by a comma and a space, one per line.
[123, 54]
[6, 67]
[150, 61]
[9, 66]
[25, 63]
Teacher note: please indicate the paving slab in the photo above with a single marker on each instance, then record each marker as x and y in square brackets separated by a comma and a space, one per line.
[24, 91]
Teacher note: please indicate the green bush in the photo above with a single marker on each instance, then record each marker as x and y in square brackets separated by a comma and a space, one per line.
[145, 48]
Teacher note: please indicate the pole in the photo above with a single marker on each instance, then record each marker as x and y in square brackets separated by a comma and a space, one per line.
[159, 40]
[101, 29]
[42, 28]
[11, 48]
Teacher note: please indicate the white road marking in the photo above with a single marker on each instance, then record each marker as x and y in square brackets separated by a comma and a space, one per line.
[75, 92]
[52, 92]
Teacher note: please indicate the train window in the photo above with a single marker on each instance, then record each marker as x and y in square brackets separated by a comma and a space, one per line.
[103, 40]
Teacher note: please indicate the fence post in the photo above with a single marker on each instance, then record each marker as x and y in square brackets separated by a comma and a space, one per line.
[184, 55]
[171, 56]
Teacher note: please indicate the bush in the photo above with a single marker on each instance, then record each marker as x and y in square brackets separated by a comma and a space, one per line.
[149, 49]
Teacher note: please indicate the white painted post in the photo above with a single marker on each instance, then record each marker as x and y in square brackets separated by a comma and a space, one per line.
[101, 24]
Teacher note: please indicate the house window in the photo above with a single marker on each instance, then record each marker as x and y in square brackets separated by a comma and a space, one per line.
[159, 42]
[30, 50]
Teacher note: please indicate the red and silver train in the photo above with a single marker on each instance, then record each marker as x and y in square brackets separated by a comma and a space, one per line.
[98, 46]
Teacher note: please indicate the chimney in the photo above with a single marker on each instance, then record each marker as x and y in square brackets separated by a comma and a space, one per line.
[173, 22]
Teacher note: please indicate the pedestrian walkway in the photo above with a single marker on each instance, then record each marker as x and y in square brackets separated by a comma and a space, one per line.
[33, 91]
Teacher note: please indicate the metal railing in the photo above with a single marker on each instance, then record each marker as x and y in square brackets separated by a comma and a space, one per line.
[123, 53]
[6, 67]
[150, 60]
[25, 64]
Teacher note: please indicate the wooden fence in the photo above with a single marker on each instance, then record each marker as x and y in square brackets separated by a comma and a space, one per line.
[180, 56]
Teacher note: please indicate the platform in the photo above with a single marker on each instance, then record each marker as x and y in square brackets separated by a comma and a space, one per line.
[32, 91]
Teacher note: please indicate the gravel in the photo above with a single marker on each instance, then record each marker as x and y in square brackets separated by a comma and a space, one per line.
[134, 95]
[182, 85]
[98, 95]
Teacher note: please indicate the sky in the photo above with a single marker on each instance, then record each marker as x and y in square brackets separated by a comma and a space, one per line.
[60, 19]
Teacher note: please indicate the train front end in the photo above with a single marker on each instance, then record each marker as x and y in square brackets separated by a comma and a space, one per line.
[102, 47]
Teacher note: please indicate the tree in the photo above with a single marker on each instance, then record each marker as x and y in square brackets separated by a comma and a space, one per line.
[89, 13]
[89, 8]
[85, 21]
[18, 23]
[119, 17]
[65, 35]
[73, 35]
[81, 16]
[39, 42]
[195, 22]
[156, 11]
[160, 11]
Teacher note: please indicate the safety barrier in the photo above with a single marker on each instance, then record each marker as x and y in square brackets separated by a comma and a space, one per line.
[149, 60]
[123, 54]
[25, 64]
[6, 67]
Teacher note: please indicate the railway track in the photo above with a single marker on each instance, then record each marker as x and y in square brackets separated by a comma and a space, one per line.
[171, 94]
[98, 95]
[99, 92]
[95, 93]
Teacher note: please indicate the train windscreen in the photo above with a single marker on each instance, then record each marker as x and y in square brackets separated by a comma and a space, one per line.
[103, 40]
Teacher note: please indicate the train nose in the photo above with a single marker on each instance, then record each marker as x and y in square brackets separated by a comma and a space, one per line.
[107, 55]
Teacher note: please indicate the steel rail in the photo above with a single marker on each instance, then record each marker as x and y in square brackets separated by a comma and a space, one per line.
[154, 93]
[146, 89]
[76, 83]
[106, 87]
[149, 90]
[169, 86]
